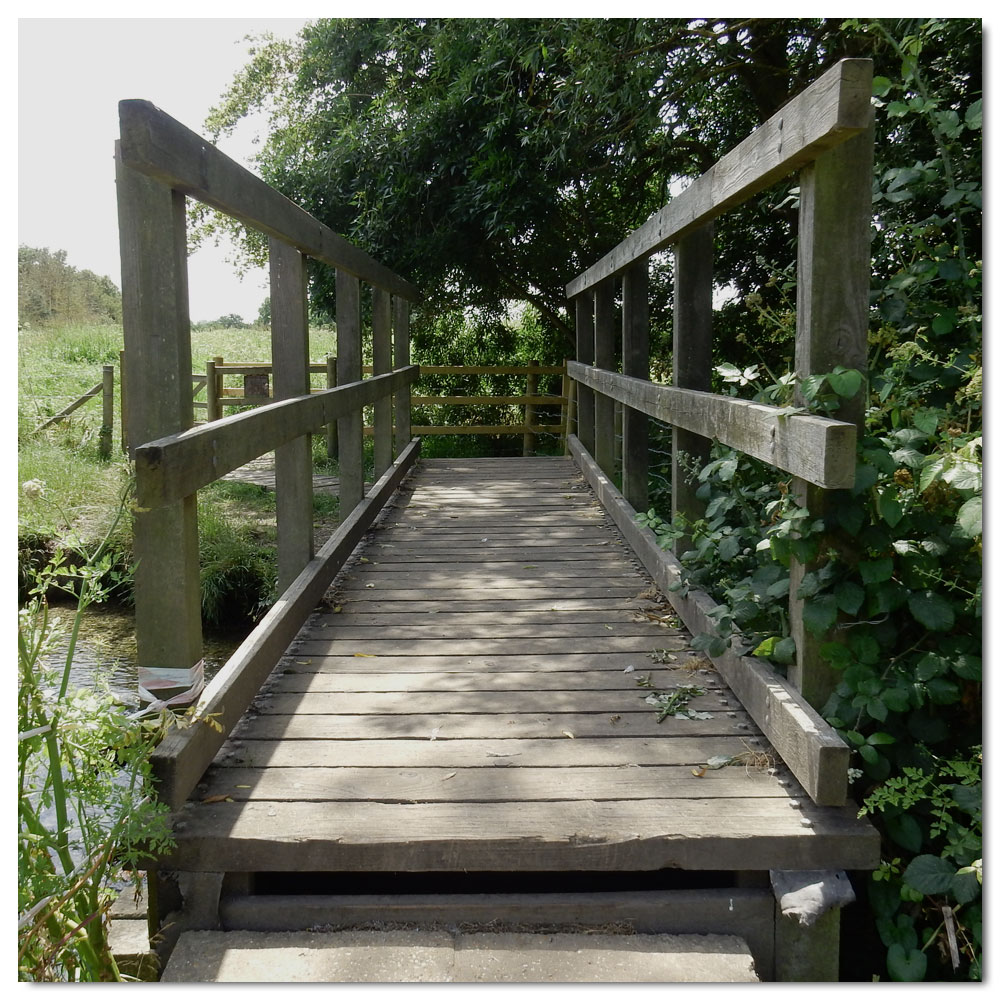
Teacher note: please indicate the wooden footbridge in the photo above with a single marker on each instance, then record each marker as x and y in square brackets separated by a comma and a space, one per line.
[449, 718]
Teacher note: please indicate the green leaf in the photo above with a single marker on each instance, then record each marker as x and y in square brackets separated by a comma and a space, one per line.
[784, 651]
[881, 739]
[906, 966]
[850, 596]
[896, 699]
[905, 831]
[931, 665]
[890, 510]
[845, 382]
[876, 570]
[974, 114]
[729, 548]
[819, 613]
[929, 874]
[970, 517]
[877, 710]
[881, 85]
[836, 655]
[933, 611]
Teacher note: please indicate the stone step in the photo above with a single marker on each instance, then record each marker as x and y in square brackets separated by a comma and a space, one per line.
[440, 956]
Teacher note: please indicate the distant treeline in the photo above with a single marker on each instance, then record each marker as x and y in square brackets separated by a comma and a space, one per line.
[51, 291]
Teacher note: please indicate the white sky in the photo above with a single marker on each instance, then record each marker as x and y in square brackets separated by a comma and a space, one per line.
[71, 75]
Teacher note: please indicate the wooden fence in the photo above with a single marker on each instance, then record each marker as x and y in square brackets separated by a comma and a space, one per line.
[256, 392]
[106, 390]
[160, 163]
[825, 134]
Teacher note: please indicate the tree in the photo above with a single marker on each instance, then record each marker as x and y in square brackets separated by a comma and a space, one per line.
[492, 160]
[49, 290]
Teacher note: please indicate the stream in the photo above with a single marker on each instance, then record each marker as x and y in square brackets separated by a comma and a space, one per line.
[106, 648]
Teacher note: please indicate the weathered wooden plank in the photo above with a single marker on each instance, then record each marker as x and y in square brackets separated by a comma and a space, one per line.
[498, 662]
[489, 784]
[830, 111]
[500, 595]
[609, 752]
[178, 465]
[292, 460]
[564, 605]
[181, 758]
[816, 449]
[440, 703]
[434, 647]
[696, 834]
[351, 618]
[298, 677]
[388, 555]
[612, 564]
[538, 725]
[155, 144]
[812, 750]
[461, 631]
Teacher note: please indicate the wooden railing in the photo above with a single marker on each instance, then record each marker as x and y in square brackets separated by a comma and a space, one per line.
[825, 133]
[106, 390]
[256, 392]
[159, 164]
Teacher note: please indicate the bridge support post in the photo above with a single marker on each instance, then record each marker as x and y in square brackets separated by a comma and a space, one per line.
[382, 363]
[152, 226]
[585, 355]
[831, 328]
[290, 364]
[604, 357]
[635, 362]
[401, 352]
[350, 429]
[331, 428]
[692, 365]
[530, 389]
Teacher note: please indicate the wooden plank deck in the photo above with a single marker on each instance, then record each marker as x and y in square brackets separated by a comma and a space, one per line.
[470, 701]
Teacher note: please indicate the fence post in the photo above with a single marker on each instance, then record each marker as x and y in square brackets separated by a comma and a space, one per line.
[290, 369]
[381, 364]
[213, 407]
[604, 357]
[530, 389]
[122, 401]
[831, 328]
[635, 362]
[585, 355]
[331, 427]
[692, 365]
[401, 348]
[107, 410]
[350, 431]
[151, 220]
[569, 406]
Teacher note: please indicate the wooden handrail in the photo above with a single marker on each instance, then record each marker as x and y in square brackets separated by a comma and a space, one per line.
[830, 111]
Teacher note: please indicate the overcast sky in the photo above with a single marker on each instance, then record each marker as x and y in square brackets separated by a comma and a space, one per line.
[71, 76]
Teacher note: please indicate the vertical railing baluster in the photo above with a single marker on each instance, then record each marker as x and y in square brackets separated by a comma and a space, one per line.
[635, 362]
[692, 365]
[585, 355]
[382, 363]
[401, 351]
[290, 368]
[831, 328]
[350, 430]
[604, 357]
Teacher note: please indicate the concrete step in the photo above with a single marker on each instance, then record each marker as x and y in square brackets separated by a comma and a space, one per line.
[439, 956]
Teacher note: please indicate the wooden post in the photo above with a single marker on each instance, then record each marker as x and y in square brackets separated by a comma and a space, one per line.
[401, 348]
[635, 362]
[530, 389]
[382, 363]
[692, 364]
[107, 410]
[585, 355]
[834, 271]
[151, 220]
[290, 367]
[213, 406]
[331, 428]
[604, 357]
[122, 401]
[569, 407]
[350, 430]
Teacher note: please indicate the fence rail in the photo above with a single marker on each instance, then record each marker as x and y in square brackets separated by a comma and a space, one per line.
[824, 133]
[106, 390]
[159, 164]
